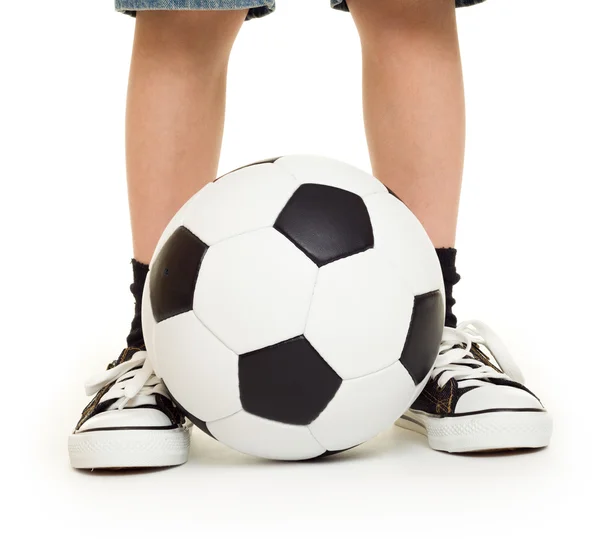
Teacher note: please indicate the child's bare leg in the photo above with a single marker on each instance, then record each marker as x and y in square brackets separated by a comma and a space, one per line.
[175, 113]
[414, 105]
[415, 124]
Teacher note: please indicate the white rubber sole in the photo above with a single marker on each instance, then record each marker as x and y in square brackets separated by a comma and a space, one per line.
[129, 448]
[491, 431]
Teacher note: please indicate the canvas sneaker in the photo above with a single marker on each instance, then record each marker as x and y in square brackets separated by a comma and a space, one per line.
[475, 399]
[131, 422]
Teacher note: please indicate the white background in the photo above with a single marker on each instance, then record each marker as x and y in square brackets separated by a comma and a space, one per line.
[528, 247]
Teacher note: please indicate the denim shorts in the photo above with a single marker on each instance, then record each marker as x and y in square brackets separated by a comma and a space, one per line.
[256, 8]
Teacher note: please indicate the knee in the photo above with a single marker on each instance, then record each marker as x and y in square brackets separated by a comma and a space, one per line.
[207, 32]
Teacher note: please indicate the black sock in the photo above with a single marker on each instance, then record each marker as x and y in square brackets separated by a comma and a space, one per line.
[135, 338]
[447, 258]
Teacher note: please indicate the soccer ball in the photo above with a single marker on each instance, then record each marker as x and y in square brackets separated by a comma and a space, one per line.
[294, 308]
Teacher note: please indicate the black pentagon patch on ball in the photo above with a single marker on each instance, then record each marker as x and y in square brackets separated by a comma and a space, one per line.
[424, 335]
[288, 382]
[174, 274]
[326, 223]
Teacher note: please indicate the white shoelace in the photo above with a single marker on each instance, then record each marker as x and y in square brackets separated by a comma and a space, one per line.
[455, 359]
[142, 383]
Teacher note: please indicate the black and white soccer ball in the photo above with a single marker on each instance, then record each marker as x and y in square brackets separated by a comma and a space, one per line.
[294, 308]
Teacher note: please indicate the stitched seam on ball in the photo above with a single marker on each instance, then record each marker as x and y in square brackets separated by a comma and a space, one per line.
[213, 333]
[312, 297]
[315, 439]
[372, 373]
[211, 421]
[237, 235]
